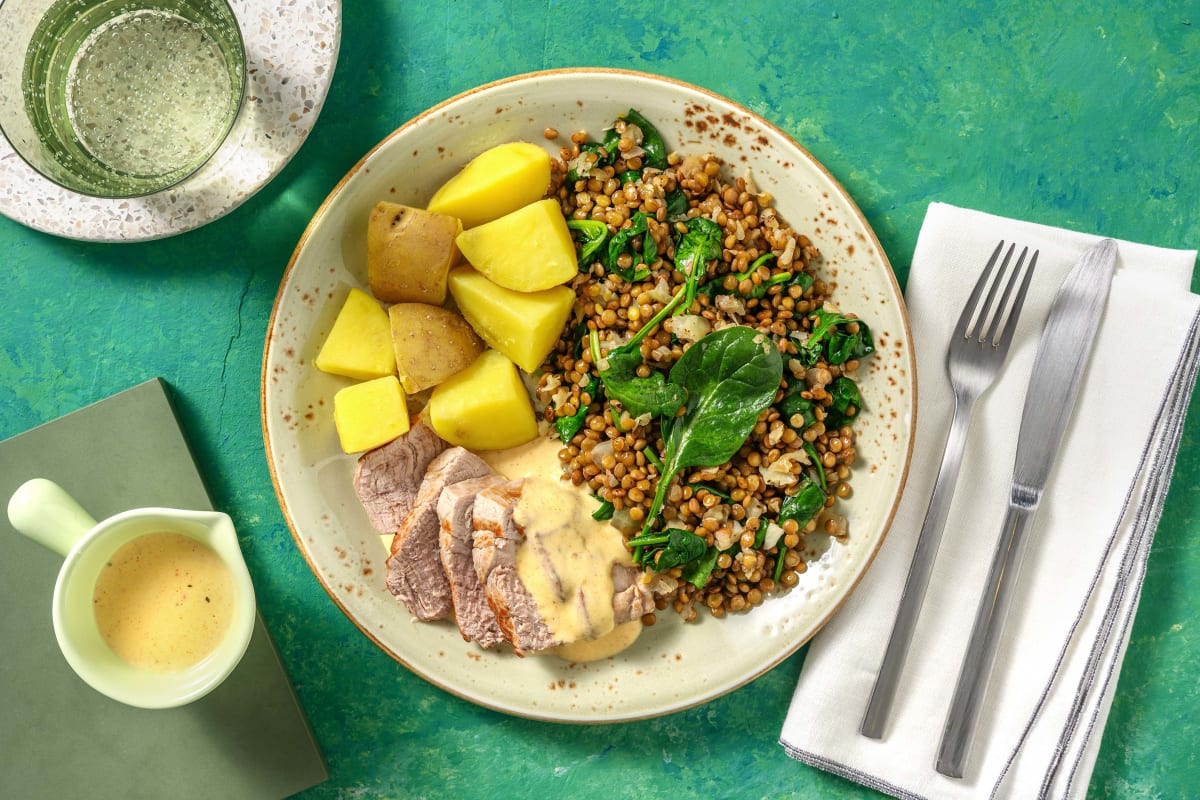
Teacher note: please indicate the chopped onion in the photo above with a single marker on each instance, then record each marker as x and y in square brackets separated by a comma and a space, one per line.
[780, 471]
[731, 304]
[662, 583]
[690, 327]
[661, 291]
[604, 448]
[773, 535]
[789, 252]
[724, 538]
[623, 522]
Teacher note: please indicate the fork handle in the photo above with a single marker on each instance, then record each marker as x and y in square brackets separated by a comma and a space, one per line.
[884, 692]
[998, 593]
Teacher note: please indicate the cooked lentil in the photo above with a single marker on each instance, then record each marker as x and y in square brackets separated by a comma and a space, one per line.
[733, 507]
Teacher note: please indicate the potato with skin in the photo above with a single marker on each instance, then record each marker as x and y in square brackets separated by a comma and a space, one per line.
[528, 250]
[523, 325]
[497, 181]
[359, 344]
[370, 414]
[484, 407]
[431, 343]
[409, 252]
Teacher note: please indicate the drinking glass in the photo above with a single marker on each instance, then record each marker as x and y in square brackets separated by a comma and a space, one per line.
[119, 98]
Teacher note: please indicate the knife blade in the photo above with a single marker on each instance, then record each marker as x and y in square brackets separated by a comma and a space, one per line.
[1062, 355]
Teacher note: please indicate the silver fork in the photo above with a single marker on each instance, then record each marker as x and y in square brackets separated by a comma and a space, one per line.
[977, 351]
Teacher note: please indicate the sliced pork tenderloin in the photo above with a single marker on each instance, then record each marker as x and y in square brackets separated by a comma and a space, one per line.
[415, 572]
[497, 538]
[388, 478]
[455, 510]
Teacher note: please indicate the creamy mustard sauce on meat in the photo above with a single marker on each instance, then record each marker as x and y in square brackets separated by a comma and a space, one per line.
[566, 563]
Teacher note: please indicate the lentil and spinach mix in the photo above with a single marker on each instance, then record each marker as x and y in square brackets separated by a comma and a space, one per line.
[704, 390]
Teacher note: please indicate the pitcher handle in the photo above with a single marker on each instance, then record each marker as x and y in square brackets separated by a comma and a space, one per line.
[43, 511]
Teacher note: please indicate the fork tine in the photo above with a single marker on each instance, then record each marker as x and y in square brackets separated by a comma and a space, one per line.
[969, 308]
[1010, 326]
[1002, 308]
[977, 332]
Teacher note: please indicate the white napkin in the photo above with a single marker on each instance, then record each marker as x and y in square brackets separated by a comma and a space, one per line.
[1061, 652]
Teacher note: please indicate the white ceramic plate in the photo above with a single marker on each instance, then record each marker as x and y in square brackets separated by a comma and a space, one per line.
[673, 665]
[291, 51]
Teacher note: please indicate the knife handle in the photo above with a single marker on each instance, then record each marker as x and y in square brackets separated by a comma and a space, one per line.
[969, 692]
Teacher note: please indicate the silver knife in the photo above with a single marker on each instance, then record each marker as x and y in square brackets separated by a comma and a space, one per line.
[1062, 354]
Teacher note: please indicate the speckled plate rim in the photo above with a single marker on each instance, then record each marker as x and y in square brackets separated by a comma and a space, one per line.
[773, 618]
[278, 112]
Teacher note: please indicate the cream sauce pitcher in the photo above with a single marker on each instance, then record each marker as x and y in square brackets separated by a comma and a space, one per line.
[198, 635]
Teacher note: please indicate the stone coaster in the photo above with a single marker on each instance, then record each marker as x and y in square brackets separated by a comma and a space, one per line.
[291, 52]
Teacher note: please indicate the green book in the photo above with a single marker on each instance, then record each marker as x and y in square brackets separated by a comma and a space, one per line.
[62, 739]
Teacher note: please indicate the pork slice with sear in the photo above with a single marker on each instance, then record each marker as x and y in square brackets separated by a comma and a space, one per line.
[455, 509]
[388, 478]
[415, 572]
[498, 536]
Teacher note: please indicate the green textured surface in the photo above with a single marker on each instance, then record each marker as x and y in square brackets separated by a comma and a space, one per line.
[1087, 119]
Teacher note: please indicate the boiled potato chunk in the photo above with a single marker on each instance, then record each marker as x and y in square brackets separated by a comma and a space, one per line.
[484, 407]
[494, 183]
[528, 250]
[359, 344]
[431, 344]
[409, 252]
[370, 414]
[522, 325]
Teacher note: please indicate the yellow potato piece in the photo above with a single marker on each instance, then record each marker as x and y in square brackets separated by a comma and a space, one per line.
[359, 344]
[484, 407]
[370, 414]
[522, 325]
[409, 252]
[528, 250]
[494, 183]
[431, 343]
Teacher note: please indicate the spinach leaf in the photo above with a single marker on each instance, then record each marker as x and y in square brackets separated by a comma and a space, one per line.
[753, 268]
[677, 206]
[844, 345]
[652, 141]
[786, 280]
[803, 505]
[622, 242]
[580, 335]
[610, 142]
[604, 512]
[815, 458]
[847, 401]
[729, 376]
[697, 572]
[649, 395]
[792, 404]
[568, 426]
[592, 235]
[629, 176]
[700, 244]
[674, 546]
[619, 375]
[783, 548]
[653, 458]
[832, 340]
